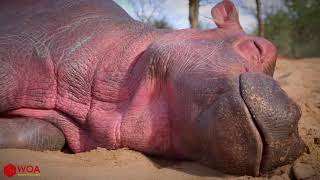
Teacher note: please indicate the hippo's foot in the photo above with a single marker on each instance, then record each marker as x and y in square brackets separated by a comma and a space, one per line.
[30, 133]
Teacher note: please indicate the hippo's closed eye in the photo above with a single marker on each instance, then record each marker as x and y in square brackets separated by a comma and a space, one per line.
[251, 50]
[259, 48]
[259, 52]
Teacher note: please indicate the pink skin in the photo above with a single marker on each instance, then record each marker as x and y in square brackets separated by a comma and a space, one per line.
[68, 77]
[108, 81]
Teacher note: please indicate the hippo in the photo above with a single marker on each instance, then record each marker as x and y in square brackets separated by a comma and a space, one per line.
[82, 74]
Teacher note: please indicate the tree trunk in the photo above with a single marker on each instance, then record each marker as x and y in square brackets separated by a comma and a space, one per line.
[259, 18]
[194, 13]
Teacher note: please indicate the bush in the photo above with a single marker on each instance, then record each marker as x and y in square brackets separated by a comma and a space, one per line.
[296, 30]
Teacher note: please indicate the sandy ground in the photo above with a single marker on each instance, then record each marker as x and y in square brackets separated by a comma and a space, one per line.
[299, 78]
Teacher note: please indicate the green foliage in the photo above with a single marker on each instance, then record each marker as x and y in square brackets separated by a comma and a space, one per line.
[161, 24]
[278, 28]
[296, 30]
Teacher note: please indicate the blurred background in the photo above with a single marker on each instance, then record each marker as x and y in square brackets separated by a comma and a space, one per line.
[292, 25]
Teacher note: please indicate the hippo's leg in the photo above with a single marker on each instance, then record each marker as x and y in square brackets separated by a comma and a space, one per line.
[30, 133]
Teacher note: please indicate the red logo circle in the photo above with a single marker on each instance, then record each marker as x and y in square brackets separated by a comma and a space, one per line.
[9, 170]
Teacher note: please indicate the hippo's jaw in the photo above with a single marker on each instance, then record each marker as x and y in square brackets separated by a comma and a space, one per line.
[250, 129]
[230, 140]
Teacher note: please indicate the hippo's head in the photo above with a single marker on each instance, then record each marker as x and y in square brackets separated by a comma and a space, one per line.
[225, 109]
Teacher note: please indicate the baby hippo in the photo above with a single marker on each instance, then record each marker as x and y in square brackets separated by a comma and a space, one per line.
[84, 74]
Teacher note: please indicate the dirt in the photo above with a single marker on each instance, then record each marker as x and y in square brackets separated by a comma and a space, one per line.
[299, 78]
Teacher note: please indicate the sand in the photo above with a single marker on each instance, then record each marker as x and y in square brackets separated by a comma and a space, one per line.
[299, 78]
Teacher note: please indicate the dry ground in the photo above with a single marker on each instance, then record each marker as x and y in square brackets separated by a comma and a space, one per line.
[299, 78]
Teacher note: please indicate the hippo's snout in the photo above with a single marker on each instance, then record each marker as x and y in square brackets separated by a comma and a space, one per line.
[276, 117]
[252, 128]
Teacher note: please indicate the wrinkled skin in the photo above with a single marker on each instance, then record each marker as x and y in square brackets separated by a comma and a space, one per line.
[86, 71]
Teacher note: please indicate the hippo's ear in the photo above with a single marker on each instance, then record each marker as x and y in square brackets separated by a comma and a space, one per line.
[225, 15]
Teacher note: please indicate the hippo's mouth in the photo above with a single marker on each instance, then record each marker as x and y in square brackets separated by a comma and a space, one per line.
[275, 117]
[257, 170]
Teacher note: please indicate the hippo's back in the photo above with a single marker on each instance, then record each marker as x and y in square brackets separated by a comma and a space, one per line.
[49, 49]
[17, 8]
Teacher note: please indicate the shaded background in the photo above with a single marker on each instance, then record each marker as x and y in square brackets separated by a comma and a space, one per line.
[292, 25]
